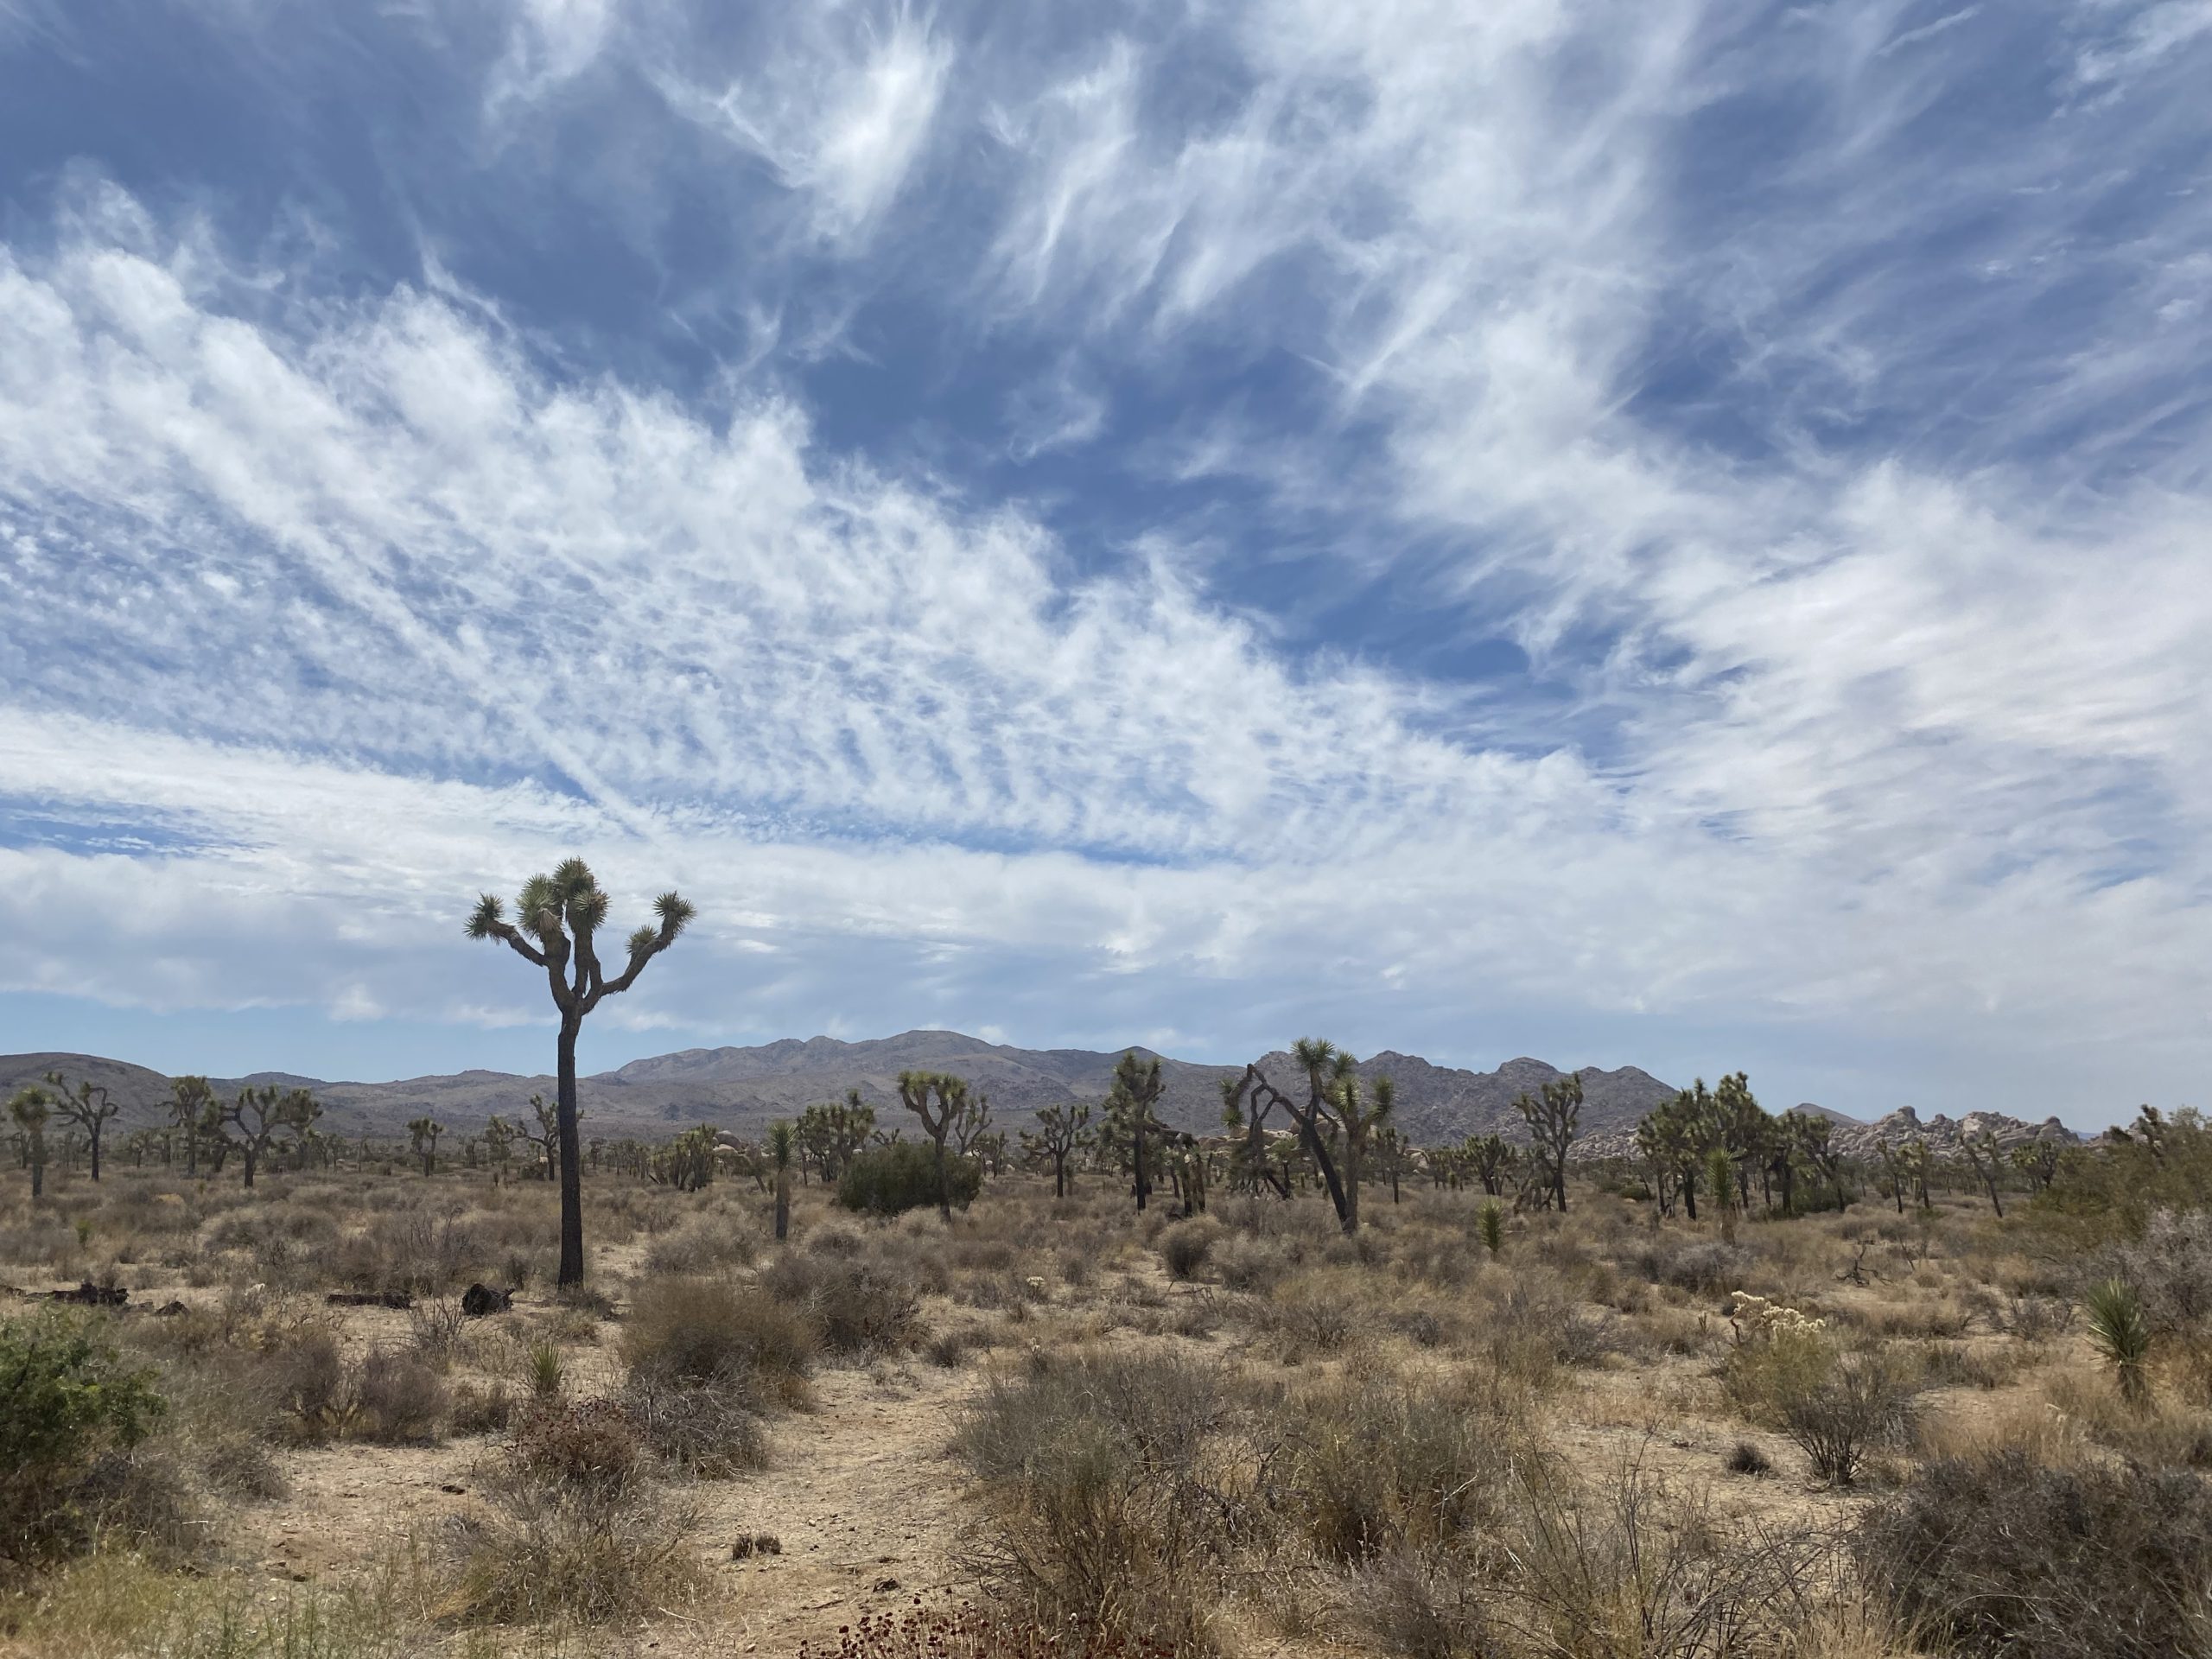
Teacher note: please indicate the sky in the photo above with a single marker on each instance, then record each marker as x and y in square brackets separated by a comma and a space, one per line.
[1657, 532]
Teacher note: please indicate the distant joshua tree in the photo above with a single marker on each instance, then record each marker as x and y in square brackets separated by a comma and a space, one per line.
[191, 1102]
[30, 1108]
[1554, 1118]
[557, 917]
[1062, 1131]
[1130, 1117]
[262, 1116]
[422, 1134]
[88, 1107]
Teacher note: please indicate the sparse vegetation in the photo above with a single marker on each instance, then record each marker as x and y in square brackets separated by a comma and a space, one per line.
[1474, 1423]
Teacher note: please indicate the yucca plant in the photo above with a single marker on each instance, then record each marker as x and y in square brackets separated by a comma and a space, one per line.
[780, 1148]
[2122, 1335]
[1492, 1222]
[546, 1371]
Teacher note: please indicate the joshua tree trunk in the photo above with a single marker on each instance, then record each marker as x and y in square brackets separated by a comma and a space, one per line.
[572, 1177]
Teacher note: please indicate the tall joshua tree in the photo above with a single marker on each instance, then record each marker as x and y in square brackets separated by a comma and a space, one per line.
[557, 918]
[86, 1106]
[1129, 1113]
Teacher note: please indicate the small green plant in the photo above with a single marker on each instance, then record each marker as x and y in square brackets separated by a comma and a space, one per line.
[1721, 1179]
[66, 1397]
[2120, 1333]
[891, 1180]
[546, 1371]
[1491, 1220]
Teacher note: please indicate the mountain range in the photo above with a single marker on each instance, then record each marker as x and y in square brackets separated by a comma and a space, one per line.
[744, 1089]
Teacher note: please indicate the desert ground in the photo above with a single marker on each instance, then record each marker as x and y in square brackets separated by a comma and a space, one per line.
[1062, 1424]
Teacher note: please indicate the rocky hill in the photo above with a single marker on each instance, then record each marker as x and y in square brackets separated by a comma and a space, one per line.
[744, 1089]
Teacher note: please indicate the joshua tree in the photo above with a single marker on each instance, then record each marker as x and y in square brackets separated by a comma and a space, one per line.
[191, 1100]
[1982, 1152]
[1492, 1157]
[780, 1147]
[1333, 1121]
[939, 1099]
[1129, 1114]
[1062, 1131]
[971, 1124]
[1250, 1165]
[545, 1144]
[422, 1134]
[2037, 1159]
[1554, 1119]
[261, 1115]
[557, 921]
[88, 1107]
[30, 1107]
[1392, 1157]
[498, 1144]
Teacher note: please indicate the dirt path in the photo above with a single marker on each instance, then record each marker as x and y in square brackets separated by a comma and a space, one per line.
[866, 1504]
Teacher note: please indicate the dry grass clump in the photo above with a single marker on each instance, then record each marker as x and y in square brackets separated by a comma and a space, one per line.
[2001, 1554]
[1119, 1489]
[707, 1333]
[966, 1631]
[855, 1307]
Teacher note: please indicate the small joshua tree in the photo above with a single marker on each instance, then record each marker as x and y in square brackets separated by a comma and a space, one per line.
[545, 1144]
[422, 1134]
[88, 1107]
[1130, 1115]
[30, 1109]
[1554, 1118]
[1062, 1131]
[939, 1099]
[1491, 1219]
[780, 1148]
[263, 1116]
[191, 1102]
[1988, 1162]
[557, 918]
[498, 1144]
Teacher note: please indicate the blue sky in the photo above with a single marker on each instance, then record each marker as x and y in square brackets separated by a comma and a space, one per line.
[1670, 533]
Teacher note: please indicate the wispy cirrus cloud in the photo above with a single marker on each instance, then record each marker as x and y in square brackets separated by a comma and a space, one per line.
[1676, 520]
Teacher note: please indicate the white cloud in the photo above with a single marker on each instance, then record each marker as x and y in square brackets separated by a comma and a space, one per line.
[841, 106]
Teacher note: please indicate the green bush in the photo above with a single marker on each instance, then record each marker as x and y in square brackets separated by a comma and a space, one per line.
[67, 1399]
[891, 1180]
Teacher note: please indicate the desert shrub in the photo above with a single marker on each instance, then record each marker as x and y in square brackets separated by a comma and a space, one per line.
[891, 1180]
[398, 1399]
[1184, 1247]
[1246, 1263]
[1318, 1312]
[592, 1446]
[1116, 1500]
[1626, 1566]
[1373, 1466]
[1839, 1407]
[710, 1433]
[242, 1468]
[480, 1409]
[1422, 1604]
[852, 1307]
[69, 1403]
[1701, 1269]
[409, 1253]
[701, 1332]
[1744, 1458]
[2003, 1555]
[702, 1245]
[545, 1550]
[971, 1632]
